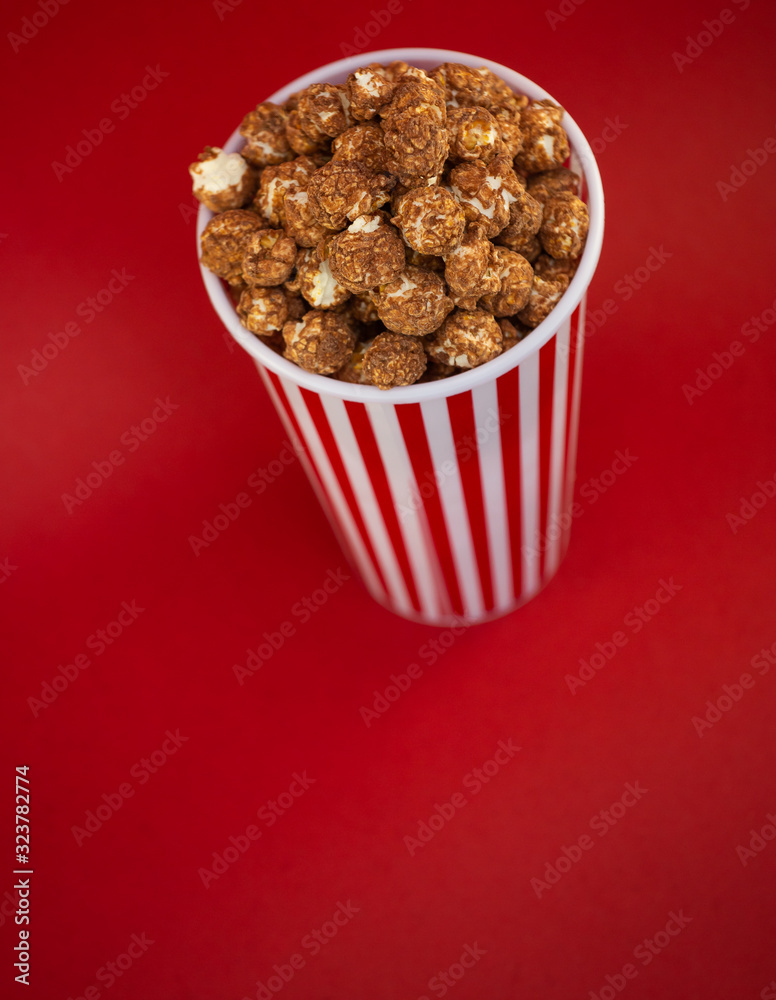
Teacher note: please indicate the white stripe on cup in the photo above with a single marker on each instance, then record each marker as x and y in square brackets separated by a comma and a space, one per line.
[329, 479]
[558, 448]
[571, 464]
[529, 472]
[410, 511]
[439, 435]
[494, 497]
[363, 490]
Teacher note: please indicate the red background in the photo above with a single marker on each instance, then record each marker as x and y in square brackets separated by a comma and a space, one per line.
[126, 207]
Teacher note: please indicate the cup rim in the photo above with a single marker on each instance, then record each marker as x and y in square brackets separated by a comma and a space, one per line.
[424, 58]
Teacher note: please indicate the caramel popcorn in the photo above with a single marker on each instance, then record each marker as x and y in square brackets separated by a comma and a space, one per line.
[486, 191]
[265, 135]
[427, 261]
[564, 226]
[299, 222]
[481, 234]
[368, 253]
[516, 278]
[321, 342]
[545, 144]
[299, 141]
[316, 282]
[393, 359]
[345, 190]
[469, 268]
[431, 220]
[269, 257]
[278, 181]
[463, 86]
[354, 368]
[322, 111]
[530, 248]
[474, 135]
[370, 91]
[546, 183]
[362, 144]
[552, 268]
[543, 299]
[417, 146]
[466, 339]
[413, 303]
[223, 242]
[525, 218]
[222, 180]
[362, 308]
[263, 311]
[511, 333]
[508, 125]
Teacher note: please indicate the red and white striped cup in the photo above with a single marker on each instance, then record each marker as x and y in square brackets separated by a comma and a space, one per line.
[452, 499]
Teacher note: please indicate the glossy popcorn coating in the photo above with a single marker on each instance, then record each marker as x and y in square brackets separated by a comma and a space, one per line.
[564, 225]
[486, 192]
[353, 371]
[414, 126]
[368, 253]
[508, 125]
[511, 333]
[546, 183]
[299, 223]
[300, 143]
[322, 111]
[473, 135]
[370, 91]
[362, 308]
[263, 311]
[278, 181]
[544, 296]
[545, 144]
[269, 257]
[466, 339]
[392, 360]
[223, 242]
[321, 342]
[343, 190]
[516, 279]
[316, 282]
[362, 144]
[431, 220]
[416, 145]
[264, 130]
[525, 218]
[553, 268]
[469, 269]
[414, 303]
[222, 181]
[463, 86]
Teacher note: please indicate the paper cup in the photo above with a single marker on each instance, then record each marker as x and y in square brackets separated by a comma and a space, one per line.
[451, 499]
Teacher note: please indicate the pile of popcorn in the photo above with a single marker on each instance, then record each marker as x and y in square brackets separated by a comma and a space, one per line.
[403, 226]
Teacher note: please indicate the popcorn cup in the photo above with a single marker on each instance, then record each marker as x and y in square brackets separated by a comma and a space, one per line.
[451, 499]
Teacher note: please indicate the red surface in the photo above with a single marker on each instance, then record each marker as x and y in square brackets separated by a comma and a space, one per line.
[126, 207]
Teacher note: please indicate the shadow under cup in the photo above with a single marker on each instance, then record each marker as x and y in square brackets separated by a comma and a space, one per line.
[451, 499]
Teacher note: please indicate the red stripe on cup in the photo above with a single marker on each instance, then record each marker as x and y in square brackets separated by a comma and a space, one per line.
[371, 455]
[416, 442]
[508, 388]
[464, 429]
[546, 378]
